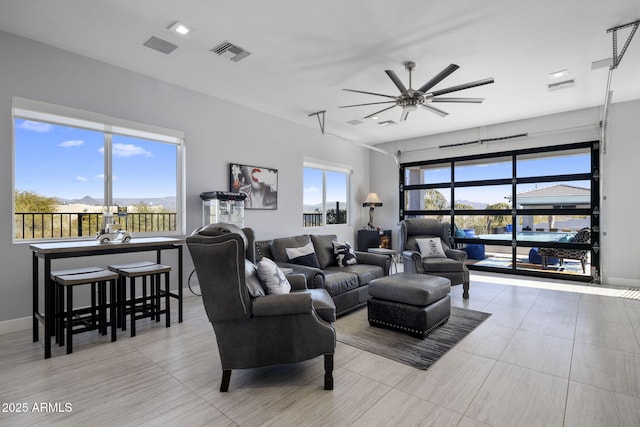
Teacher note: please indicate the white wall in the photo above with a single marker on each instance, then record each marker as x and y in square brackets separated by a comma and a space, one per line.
[621, 174]
[217, 133]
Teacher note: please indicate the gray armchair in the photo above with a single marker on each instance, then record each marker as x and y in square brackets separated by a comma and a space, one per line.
[264, 330]
[452, 267]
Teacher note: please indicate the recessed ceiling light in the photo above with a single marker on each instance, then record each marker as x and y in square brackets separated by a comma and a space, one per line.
[558, 74]
[374, 118]
[180, 28]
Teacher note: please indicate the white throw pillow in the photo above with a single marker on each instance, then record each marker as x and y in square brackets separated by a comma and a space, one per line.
[431, 248]
[272, 278]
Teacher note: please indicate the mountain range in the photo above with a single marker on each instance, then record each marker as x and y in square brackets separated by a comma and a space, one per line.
[165, 202]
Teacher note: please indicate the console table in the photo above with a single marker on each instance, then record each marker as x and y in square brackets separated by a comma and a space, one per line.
[58, 250]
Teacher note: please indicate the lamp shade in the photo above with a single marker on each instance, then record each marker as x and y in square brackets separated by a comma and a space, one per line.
[372, 200]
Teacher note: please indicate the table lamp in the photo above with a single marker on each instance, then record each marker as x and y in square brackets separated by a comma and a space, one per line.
[372, 201]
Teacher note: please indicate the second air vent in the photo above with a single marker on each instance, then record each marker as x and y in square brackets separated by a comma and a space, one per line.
[231, 51]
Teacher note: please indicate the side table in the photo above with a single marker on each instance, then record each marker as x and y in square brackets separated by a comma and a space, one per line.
[391, 253]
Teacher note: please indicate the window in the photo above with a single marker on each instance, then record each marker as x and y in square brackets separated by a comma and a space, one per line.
[71, 167]
[325, 195]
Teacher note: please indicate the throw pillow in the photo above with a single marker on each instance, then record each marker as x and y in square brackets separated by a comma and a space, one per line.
[304, 255]
[344, 254]
[251, 278]
[431, 248]
[273, 279]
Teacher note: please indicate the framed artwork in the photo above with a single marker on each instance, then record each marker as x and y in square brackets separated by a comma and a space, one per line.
[260, 184]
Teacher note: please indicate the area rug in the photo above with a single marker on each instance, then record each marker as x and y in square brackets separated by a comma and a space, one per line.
[353, 329]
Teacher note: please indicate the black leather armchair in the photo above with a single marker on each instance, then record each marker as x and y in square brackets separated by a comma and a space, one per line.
[265, 330]
[452, 267]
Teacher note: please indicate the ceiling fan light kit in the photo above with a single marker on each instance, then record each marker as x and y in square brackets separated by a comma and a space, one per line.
[413, 99]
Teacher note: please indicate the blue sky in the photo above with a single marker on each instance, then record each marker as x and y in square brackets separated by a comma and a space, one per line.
[486, 194]
[525, 168]
[61, 161]
[336, 186]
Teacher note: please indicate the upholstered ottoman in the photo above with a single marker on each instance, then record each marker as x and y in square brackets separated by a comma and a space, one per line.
[411, 302]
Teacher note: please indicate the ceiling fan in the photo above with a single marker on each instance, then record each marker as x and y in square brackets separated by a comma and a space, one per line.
[411, 99]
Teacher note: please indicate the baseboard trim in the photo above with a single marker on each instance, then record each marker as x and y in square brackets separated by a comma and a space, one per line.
[15, 325]
[620, 281]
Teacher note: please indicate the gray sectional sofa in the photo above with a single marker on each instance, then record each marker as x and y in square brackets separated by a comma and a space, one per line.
[347, 285]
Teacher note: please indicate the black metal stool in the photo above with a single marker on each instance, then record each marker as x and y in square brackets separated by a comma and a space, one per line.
[148, 304]
[58, 297]
[87, 318]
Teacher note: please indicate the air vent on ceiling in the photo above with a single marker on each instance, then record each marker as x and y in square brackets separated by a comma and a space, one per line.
[231, 51]
[562, 85]
[160, 45]
[355, 122]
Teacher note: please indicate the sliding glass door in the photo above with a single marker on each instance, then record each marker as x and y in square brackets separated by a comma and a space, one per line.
[531, 211]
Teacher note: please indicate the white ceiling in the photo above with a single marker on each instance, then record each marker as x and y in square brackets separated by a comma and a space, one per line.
[304, 52]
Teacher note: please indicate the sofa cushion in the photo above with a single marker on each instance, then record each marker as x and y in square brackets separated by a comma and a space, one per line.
[431, 247]
[344, 254]
[323, 245]
[434, 265]
[338, 281]
[272, 278]
[366, 273]
[279, 246]
[303, 255]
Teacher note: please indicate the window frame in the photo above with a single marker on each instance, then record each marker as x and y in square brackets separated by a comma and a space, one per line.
[43, 112]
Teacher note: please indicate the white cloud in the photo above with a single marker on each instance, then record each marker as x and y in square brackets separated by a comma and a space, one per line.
[312, 189]
[71, 143]
[80, 179]
[35, 126]
[128, 150]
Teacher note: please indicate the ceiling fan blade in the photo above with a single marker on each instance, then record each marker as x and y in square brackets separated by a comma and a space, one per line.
[433, 109]
[370, 93]
[394, 78]
[467, 100]
[378, 112]
[463, 86]
[405, 114]
[438, 78]
[370, 103]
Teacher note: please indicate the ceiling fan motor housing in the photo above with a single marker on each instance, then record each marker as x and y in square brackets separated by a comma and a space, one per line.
[410, 102]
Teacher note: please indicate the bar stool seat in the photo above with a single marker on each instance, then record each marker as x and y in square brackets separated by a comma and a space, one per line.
[91, 318]
[58, 295]
[146, 305]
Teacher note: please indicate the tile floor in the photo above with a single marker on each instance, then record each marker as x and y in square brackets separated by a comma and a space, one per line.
[546, 357]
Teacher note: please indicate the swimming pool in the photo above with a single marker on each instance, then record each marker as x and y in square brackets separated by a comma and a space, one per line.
[532, 236]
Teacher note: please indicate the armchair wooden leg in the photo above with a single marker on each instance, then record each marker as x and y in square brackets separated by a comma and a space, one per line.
[226, 377]
[465, 290]
[328, 371]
